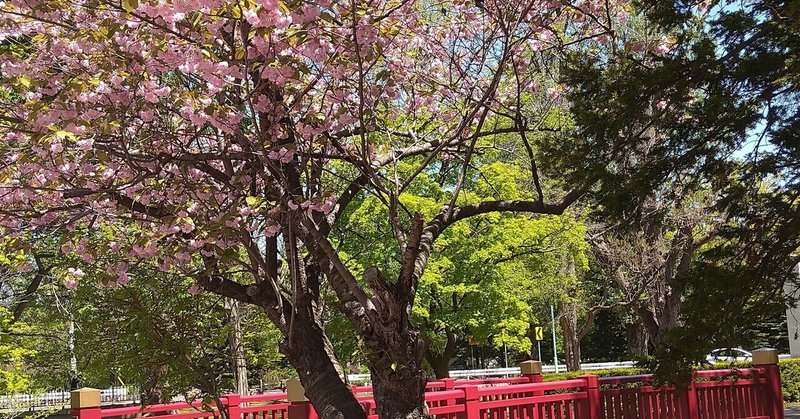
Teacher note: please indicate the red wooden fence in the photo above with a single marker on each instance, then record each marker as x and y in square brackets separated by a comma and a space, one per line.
[753, 393]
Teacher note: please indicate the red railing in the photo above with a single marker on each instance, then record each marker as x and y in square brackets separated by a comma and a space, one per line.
[717, 394]
[711, 394]
[260, 406]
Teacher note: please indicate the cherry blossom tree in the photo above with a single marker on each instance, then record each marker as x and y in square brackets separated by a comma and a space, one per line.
[224, 140]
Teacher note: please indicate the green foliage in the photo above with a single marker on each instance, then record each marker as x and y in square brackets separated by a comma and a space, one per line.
[156, 334]
[609, 372]
[718, 111]
[150, 333]
[163, 339]
[606, 341]
[485, 272]
[790, 380]
[14, 377]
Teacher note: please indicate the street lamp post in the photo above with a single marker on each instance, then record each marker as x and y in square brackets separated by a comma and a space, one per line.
[555, 354]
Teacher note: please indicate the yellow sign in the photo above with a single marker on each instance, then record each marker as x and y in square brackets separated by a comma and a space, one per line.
[539, 332]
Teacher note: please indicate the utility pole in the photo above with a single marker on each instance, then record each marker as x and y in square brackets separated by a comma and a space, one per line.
[472, 356]
[555, 354]
[73, 361]
[505, 353]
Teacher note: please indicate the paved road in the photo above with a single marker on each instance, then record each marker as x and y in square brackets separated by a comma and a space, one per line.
[793, 412]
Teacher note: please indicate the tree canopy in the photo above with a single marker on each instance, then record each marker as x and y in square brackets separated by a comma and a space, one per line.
[225, 142]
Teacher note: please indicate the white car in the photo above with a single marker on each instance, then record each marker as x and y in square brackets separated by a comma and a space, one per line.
[729, 355]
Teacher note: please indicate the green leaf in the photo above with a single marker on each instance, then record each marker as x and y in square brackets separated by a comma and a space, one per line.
[130, 5]
[65, 134]
[253, 201]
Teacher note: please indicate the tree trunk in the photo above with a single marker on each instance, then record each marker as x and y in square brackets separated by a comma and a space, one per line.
[299, 319]
[400, 395]
[637, 339]
[667, 313]
[238, 359]
[152, 392]
[569, 326]
[440, 362]
[309, 352]
[398, 380]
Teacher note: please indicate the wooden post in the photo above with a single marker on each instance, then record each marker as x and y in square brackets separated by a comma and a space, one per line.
[299, 406]
[472, 401]
[85, 403]
[232, 406]
[693, 406]
[532, 370]
[367, 405]
[593, 397]
[767, 358]
[449, 383]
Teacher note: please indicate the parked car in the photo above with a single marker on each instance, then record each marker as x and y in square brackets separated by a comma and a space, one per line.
[729, 355]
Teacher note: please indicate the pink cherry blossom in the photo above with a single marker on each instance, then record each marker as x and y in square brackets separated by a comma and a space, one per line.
[123, 278]
[662, 48]
[553, 93]
[160, 123]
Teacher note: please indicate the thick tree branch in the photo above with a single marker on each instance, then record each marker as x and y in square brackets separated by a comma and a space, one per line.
[343, 282]
[261, 295]
[30, 290]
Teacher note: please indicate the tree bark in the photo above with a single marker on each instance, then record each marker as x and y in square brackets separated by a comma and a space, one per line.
[397, 378]
[668, 311]
[305, 344]
[310, 354]
[440, 365]
[569, 326]
[440, 362]
[637, 339]
[238, 360]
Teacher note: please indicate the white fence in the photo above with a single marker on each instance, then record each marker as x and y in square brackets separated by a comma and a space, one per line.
[511, 371]
[61, 398]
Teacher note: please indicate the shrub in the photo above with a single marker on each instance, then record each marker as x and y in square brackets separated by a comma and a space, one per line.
[611, 372]
[790, 378]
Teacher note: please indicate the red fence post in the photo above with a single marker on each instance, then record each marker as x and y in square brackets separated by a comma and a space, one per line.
[299, 406]
[532, 370]
[232, 406]
[593, 396]
[449, 383]
[693, 404]
[767, 358]
[472, 401]
[85, 403]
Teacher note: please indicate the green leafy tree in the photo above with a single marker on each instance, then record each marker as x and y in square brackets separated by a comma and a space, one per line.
[155, 333]
[484, 272]
[724, 87]
[14, 374]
